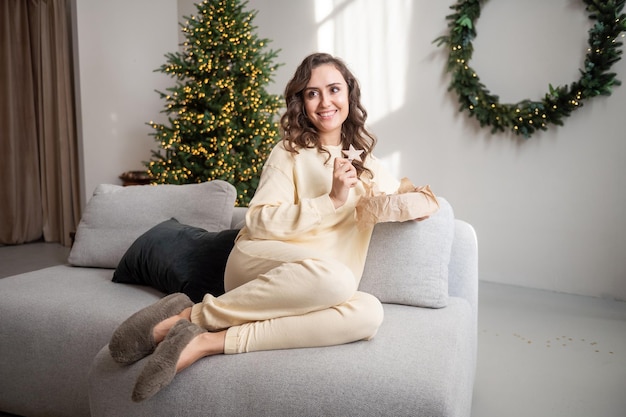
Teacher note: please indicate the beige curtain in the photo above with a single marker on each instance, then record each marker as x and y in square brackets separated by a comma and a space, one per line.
[39, 194]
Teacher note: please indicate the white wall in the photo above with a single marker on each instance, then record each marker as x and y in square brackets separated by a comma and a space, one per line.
[548, 210]
[120, 43]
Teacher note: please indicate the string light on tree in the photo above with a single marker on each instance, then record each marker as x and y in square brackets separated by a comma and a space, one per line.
[222, 123]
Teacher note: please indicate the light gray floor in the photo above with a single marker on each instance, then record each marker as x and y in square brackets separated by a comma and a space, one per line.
[540, 354]
[30, 257]
[548, 354]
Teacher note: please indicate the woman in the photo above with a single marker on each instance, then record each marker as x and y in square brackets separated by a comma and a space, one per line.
[293, 274]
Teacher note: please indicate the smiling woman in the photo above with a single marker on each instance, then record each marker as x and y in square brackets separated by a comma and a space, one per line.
[292, 277]
[319, 72]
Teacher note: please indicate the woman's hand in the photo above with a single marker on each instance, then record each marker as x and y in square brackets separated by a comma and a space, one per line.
[344, 178]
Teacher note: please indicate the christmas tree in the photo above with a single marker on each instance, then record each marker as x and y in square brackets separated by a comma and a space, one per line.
[222, 123]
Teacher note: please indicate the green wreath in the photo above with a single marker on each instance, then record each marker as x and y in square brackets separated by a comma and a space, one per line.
[527, 116]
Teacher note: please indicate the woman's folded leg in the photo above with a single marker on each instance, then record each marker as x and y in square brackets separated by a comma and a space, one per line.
[357, 319]
[268, 280]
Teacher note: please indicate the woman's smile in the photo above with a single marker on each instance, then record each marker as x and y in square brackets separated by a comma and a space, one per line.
[327, 115]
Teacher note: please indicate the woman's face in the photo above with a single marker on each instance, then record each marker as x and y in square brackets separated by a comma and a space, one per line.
[326, 102]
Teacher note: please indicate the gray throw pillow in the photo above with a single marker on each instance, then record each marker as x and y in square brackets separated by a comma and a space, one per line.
[407, 263]
[116, 216]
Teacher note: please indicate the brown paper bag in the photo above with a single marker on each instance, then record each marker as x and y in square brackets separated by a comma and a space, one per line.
[408, 203]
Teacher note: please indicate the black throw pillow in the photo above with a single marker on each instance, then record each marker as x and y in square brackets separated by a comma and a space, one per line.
[174, 257]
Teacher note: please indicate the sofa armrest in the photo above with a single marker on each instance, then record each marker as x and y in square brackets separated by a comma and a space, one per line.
[463, 268]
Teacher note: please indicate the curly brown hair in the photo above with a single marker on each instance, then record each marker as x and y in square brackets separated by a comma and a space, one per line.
[299, 132]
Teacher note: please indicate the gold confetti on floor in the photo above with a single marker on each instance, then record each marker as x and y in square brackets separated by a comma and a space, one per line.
[562, 341]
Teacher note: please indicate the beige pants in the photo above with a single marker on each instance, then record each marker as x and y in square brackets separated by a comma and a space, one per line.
[281, 296]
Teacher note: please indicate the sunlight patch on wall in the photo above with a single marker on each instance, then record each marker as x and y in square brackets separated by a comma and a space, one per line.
[372, 37]
[391, 162]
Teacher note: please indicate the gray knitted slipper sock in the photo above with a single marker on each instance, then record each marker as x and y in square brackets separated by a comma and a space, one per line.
[133, 339]
[161, 367]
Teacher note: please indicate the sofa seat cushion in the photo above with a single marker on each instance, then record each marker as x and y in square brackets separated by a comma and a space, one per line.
[52, 324]
[116, 216]
[421, 363]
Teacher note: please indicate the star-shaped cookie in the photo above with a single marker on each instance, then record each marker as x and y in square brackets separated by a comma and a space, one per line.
[353, 154]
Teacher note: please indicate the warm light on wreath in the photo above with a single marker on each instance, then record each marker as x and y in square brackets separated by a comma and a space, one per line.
[527, 116]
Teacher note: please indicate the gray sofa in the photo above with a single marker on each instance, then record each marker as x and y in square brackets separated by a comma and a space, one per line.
[55, 324]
